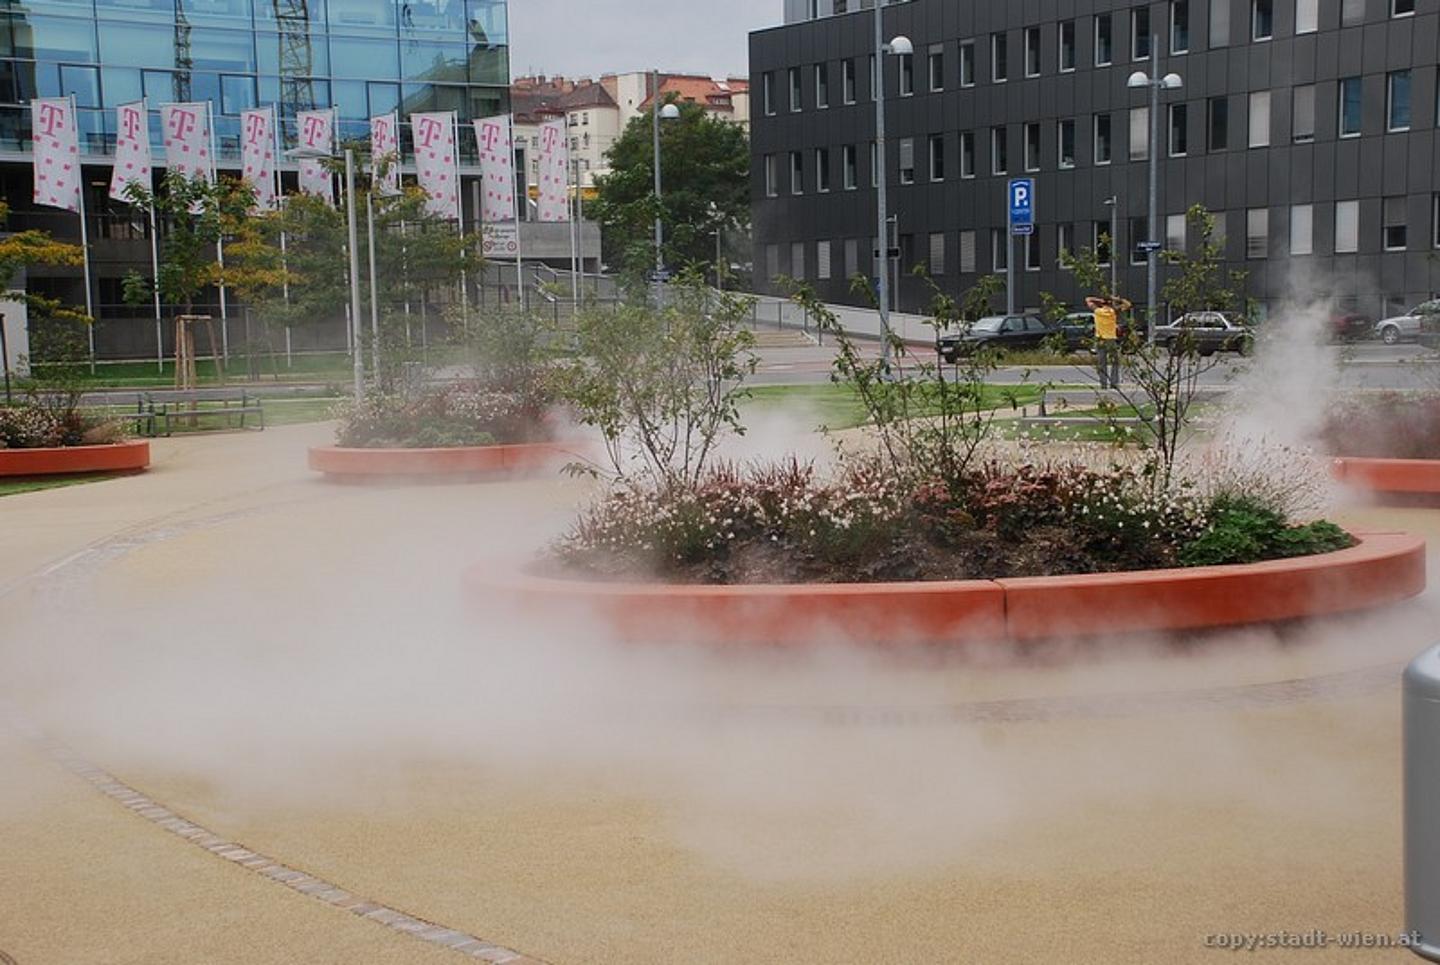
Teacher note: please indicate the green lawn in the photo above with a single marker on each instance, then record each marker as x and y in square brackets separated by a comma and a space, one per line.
[12, 486]
[838, 407]
[310, 367]
[278, 412]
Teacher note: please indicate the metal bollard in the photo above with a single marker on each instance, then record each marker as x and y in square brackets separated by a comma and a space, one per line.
[1422, 803]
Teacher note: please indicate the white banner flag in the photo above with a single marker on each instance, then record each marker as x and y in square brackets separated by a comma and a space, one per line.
[132, 150]
[497, 168]
[315, 131]
[187, 140]
[56, 152]
[385, 146]
[554, 172]
[257, 154]
[435, 164]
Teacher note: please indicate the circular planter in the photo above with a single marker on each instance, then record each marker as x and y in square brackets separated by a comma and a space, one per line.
[460, 462]
[1408, 477]
[1383, 568]
[65, 460]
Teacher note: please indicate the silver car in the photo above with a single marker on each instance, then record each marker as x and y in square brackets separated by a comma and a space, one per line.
[1406, 328]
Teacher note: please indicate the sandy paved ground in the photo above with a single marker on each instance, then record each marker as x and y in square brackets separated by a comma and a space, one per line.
[288, 663]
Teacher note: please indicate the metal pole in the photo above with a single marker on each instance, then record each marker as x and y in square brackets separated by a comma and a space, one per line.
[5, 359]
[374, 284]
[719, 256]
[655, 134]
[574, 165]
[882, 217]
[219, 245]
[155, 292]
[354, 271]
[519, 246]
[1114, 244]
[85, 249]
[1153, 255]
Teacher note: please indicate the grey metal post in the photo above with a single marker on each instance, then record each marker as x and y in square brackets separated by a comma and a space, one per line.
[1422, 802]
[1009, 259]
[1114, 244]
[374, 286]
[1152, 257]
[882, 217]
[655, 134]
[5, 359]
[354, 271]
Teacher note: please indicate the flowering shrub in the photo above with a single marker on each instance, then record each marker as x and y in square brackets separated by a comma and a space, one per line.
[466, 414]
[785, 523]
[38, 426]
[1389, 425]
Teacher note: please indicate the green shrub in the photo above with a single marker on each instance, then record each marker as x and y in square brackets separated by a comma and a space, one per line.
[1245, 531]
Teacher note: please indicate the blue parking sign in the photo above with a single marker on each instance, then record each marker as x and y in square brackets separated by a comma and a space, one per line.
[1022, 206]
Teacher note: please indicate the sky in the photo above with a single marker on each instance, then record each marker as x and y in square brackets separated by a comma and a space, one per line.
[690, 36]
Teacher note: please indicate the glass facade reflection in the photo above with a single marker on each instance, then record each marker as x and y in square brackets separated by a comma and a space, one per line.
[362, 57]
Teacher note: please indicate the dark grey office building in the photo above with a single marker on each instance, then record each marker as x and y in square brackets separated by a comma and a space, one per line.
[1308, 127]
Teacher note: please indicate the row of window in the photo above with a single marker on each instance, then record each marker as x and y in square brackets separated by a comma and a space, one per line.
[1262, 28]
[1349, 123]
[1394, 237]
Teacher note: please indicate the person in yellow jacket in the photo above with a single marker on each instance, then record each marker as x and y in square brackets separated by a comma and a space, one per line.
[1107, 337]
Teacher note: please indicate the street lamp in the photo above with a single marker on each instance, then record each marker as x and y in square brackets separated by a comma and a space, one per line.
[303, 153]
[900, 47]
[658, 113]
[1156, 83]
[1113, 203]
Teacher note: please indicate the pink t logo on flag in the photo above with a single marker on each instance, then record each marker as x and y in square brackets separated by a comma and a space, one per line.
[436, 167]
[427, 130]
[56, 152]
[257, 155]
[182, 122]
[317, 130]
[51, 117]
[132, 150]
[187, 140]
[385, 147]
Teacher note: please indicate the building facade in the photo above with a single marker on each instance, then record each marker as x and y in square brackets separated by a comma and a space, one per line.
[361, 57]
[1307, 127]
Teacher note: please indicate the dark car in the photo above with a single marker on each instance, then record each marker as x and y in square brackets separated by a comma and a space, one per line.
[1351, 326]
[997, 332]
[1079, 330]
[1208, 332]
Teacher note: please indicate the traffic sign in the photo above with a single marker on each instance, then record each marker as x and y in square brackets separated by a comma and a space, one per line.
[1022, 205]
[661, 276]
[1150, 245]
[894, 253]
[500, 240]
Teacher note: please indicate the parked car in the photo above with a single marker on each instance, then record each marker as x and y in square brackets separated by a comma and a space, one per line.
[1406, 328]
[997, 332]
[1351, 326]
[1209, 332]
[1079, 330]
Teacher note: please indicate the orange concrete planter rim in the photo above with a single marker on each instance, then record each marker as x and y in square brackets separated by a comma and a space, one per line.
[1400, 476]
[1384, 567]
[439, 463]
[131, 455]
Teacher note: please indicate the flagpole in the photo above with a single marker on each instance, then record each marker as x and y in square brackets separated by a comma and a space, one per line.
[219, 241]
[519, 248]
[280, 206]
[460, 211]
[574, 171]
[84, 236]
[154, 245]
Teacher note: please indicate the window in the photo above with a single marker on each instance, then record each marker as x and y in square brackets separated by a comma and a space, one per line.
[1435, 221]
[847, 80]
[1351, 107]
[1397, 101]
[1302, 229]
[1347, 227]
[936, 67]
[1032, 147]
[967, 64]
[1067, 46]
[1219, 23]
[1032, 51]
[967, 252]
[1179, 130]
[1257, 233]
[1217, 124]
[797, 260]
[852, 257]
[1179, 26]
[1302, 113]
[1139, 232]
[907, 160]
[822, 260]
[999, 57]
[1260, 118]
[772, 178]
[772, 262]
[937, 253]
[1101, 243]
[907, 74]
[937, 157]
[1064, 243]
[1104, 40]
[847, 167]
[1307, 16]
[999, 153]
[874, 167]
[1102, 139]
[967, 154]
[1140, 33]
[822, 169]
[1262, 19]
[1396, 236]
[1175, 232]
[874, 80]
[1352, 12]
[1402, 8]
[1139, 133]
[1032, 262]
[767, 93]
[1065, 136]
[822, 85]
[797, 173]
[999, 249]
[794, 88]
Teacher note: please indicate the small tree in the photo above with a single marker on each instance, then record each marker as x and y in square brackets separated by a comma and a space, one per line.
[663, 385]
[25, 249]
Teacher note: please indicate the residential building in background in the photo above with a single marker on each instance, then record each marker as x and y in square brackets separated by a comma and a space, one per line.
[1308, 127]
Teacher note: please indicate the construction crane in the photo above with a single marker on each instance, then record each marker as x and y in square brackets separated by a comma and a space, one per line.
[297, 88]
